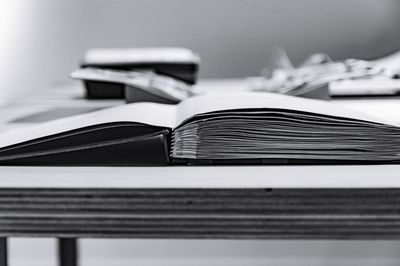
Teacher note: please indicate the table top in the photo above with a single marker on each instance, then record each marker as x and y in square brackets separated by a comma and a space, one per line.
[335, 176]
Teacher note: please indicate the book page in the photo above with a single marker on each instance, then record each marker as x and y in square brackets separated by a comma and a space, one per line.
[222, 101]
[161, 115]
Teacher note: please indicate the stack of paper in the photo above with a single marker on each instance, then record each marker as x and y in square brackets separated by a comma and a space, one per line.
[249, 127]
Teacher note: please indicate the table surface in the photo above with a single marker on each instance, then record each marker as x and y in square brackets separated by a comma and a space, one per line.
[352, 176]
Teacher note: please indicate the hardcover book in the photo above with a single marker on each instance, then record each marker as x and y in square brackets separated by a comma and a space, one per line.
[239, 128]
[178, 63]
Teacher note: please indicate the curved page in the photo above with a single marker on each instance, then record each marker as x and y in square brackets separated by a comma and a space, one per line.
[234, 101]
[161, 115]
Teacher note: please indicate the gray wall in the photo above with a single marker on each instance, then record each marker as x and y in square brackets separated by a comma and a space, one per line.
[42, 40]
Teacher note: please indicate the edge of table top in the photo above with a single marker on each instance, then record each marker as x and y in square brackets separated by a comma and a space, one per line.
[340, 176]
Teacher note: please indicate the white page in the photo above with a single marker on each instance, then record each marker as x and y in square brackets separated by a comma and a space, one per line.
[154, 114]
[223, 101]
[140, 55]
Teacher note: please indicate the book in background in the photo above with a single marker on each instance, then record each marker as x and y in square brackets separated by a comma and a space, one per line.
[172, 64]
[320, 77]
[136, 86]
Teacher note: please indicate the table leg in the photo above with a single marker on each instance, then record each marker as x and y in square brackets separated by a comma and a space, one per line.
[67, 252]
[3, 251]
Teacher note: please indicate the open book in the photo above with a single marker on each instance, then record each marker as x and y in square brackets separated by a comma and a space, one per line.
[241, 128]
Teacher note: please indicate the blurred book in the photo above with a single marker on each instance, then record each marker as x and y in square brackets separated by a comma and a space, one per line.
[178, 63]
[139, 86]
[320, 77]
[365, 87]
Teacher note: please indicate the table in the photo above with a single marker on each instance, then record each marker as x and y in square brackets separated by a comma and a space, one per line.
[235, 202]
